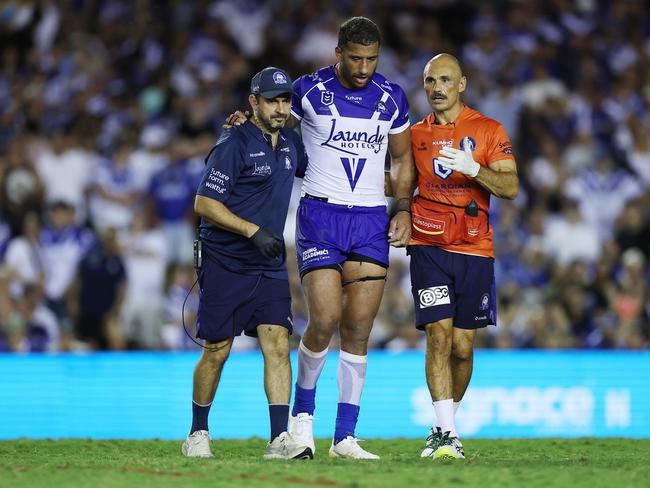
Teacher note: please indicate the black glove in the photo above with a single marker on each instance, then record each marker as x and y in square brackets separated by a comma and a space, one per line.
[268, 243]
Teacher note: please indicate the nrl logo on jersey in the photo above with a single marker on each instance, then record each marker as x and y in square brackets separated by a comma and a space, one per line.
[327, 98]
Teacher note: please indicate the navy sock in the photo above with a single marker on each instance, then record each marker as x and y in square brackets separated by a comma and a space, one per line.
[279, 414]
[200, 416]
[346, 421]
[304, 402]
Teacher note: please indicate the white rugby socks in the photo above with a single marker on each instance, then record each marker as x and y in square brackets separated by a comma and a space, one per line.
[445, 416]
[310, 365]
[351, 376]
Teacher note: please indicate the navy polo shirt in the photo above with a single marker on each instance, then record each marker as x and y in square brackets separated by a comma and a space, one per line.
[254, 181]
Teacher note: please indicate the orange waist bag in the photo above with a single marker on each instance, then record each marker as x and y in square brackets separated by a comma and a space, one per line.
[443, 223]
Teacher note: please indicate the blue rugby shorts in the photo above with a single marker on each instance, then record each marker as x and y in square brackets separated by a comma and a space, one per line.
[329, 234]
[446, 284]
[232, 303]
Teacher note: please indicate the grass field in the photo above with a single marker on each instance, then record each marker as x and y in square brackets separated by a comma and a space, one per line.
[499, 463]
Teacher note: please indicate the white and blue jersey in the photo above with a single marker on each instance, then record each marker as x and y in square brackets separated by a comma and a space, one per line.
[345, 133]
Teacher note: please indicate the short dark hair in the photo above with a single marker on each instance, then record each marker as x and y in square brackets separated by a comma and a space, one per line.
[359, 30]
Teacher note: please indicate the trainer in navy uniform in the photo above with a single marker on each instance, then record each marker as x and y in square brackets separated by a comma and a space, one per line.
[243, 200]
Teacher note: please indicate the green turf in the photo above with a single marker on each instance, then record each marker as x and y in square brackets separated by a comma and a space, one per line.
[490, 463]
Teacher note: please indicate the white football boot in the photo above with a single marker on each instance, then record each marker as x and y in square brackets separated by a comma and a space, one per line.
[301, 428]
[349, 448]
[285, 446]
[197, 444]
[440, 446]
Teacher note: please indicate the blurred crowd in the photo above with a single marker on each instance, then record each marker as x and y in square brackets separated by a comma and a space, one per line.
[108, 107]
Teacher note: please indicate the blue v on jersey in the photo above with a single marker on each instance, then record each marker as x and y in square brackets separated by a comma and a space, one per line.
[254, 182]
[345, 133]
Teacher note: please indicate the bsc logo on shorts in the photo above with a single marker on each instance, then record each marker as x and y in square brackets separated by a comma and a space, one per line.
[434, 295]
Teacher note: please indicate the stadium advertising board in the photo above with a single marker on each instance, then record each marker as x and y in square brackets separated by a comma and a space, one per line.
[147, 395]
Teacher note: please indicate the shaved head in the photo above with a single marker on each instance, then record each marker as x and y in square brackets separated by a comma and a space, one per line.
[447, 59]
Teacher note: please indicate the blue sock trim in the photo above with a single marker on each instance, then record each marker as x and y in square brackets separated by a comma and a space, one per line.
[199, 417]
[279, 415]
[346, 421]
[304, 401]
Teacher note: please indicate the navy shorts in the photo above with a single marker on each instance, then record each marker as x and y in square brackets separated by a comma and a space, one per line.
[447, 284]
[232, 303]
[329, 234]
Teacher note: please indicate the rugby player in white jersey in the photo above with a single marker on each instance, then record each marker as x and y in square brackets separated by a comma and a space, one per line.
[349, 116]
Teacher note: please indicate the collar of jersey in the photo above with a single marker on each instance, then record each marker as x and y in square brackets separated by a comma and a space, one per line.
[464, 113]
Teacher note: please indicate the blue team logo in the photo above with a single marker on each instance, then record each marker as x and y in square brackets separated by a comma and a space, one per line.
[381, 108]
[279, 78]
[472, 143]
[353, 168]
[442, 172]
[287, 162]
[327, 97]
[485, 302]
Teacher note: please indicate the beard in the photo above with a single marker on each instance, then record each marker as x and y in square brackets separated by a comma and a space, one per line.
[273, 123]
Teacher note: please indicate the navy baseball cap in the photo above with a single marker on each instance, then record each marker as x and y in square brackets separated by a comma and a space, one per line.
[271, 82]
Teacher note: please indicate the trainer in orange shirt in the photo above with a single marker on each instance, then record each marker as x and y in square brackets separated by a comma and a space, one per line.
[462, 158]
